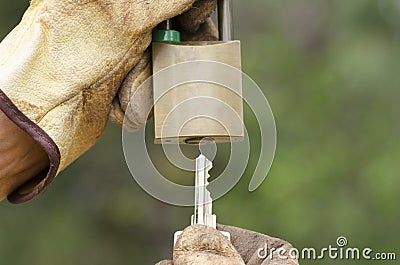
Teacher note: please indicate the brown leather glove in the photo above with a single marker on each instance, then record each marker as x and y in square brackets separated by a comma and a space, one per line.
[62, 66]
[203, 245]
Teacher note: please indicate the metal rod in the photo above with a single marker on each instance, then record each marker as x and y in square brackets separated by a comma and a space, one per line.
[225, 20]
[168, 24]
[165, 25]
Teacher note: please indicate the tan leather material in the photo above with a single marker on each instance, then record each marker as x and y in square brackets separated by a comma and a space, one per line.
[192, 20]
[206, 32]
[141, 96]
[248, 243]
[203, 245]
[63, 64]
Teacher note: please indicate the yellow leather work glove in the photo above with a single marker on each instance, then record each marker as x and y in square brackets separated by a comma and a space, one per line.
[62, 66]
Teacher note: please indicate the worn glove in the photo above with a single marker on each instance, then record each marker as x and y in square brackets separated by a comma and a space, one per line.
[204, 245]
[62, 66]
[194, 25]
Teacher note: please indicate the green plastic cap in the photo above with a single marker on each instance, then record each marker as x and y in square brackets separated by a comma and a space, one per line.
[166, 36]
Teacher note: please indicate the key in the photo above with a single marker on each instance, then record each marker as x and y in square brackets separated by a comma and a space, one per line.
[203, 202]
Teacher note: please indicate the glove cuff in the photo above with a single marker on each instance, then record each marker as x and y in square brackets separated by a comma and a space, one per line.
[38, 183]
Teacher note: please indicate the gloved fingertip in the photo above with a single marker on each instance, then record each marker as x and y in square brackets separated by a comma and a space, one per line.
[200, 244]
[191, 20]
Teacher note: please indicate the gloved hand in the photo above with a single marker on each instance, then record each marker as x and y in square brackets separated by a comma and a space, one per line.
[194, 25]
[62, 66]
[203, 245]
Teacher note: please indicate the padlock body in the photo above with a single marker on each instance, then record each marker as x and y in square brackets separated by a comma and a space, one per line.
[186, 112]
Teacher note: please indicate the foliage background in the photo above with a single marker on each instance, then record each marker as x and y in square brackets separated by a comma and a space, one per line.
[330, 70]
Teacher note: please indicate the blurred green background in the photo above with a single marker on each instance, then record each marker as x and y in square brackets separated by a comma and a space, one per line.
[331, 72]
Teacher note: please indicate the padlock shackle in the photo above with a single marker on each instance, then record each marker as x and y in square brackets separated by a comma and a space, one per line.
[225, 20]
[165, 25]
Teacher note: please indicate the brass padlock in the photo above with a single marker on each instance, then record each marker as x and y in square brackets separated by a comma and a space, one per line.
[190, 112]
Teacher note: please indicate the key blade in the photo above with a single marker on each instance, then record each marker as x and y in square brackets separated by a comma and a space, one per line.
[203, 201]
[201, 176]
